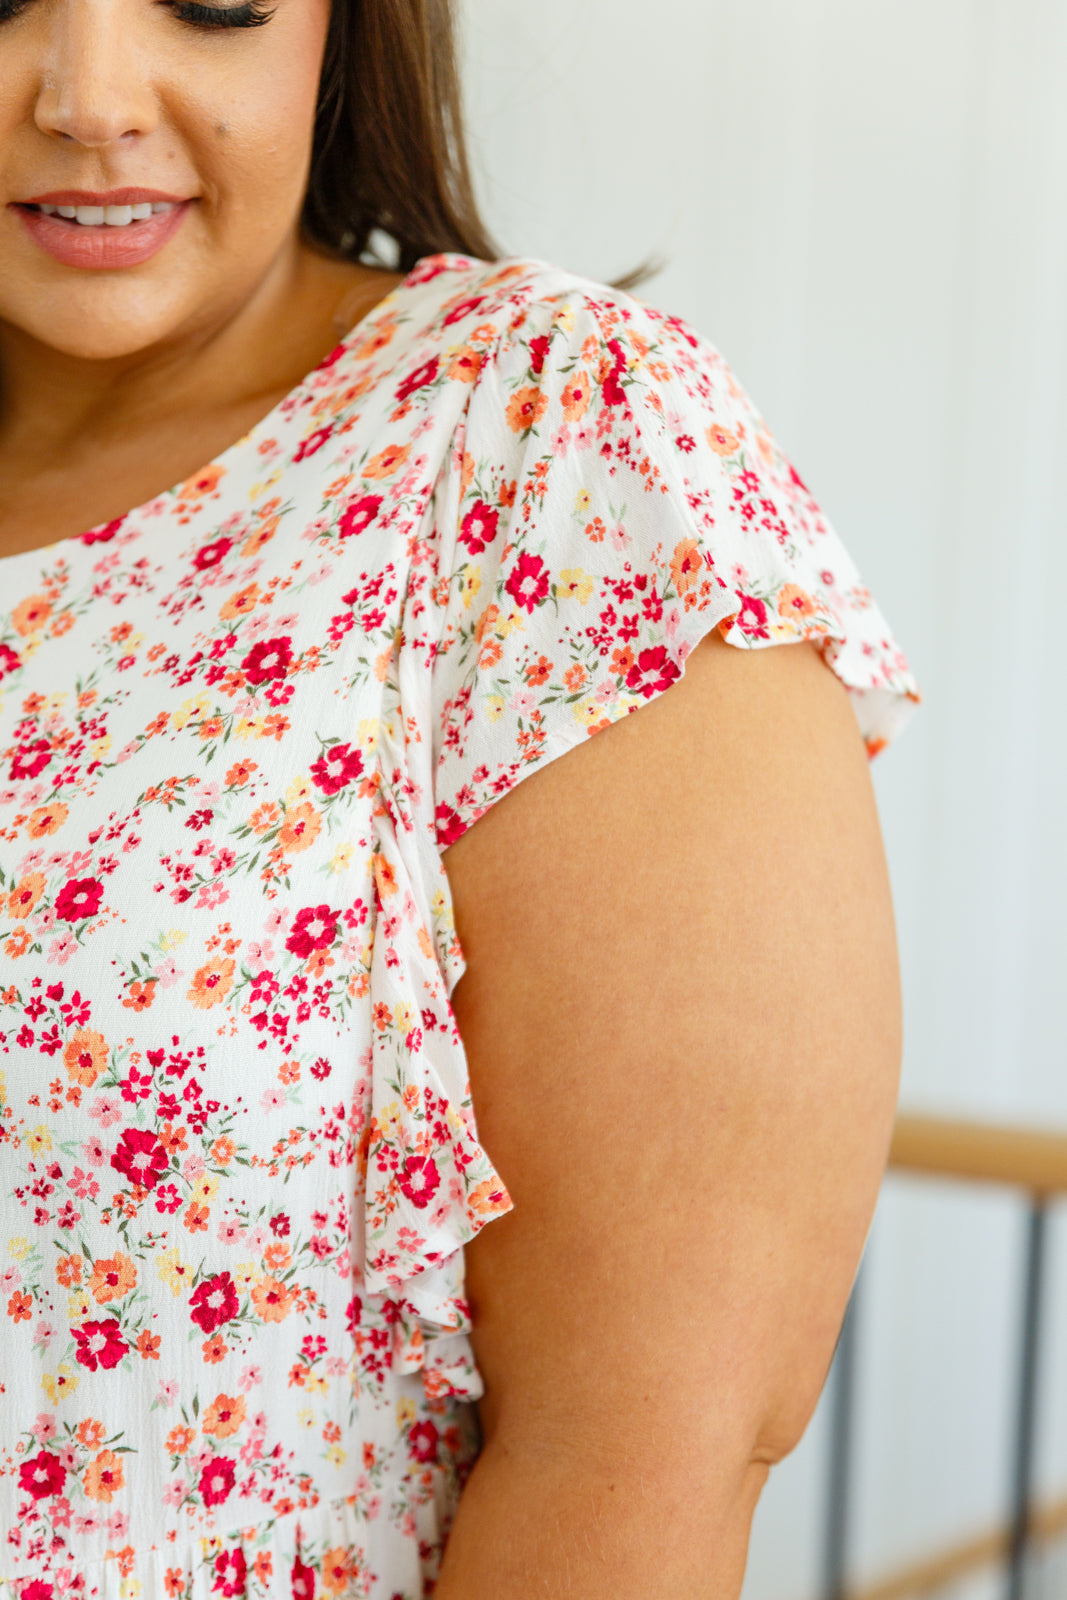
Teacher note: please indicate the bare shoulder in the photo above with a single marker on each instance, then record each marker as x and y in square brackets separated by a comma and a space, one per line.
[681, 1012]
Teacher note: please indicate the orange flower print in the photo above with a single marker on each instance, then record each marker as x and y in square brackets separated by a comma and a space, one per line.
[46, 820]
[91, 1433]
[20, 1306]
[277, 1256]
[224, 1415]
[575, 396]
[339, 1570]
[69, 1271]
[240, 603]
[387, 461]
[211, 982]
[223, 1151]
[112, 1277]
[467, 364]
[139, 996]
[687, 565]
[722, 441]
[490, 653]
[525, 409]
[26, 893]
[264, 817]
[238, 775]
[148, 1345]
[104, 1477]
[272, 1299]
[31, 614]
[85, 1054]
[300, 829]
[179, 1439]
[384, 877]
[489, 1199]
[202, 483]
[793, 601]
[214, 1349]
[174, 1579]
[485, 622]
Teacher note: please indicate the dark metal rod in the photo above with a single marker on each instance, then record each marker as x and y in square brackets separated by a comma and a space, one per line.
[1026, 1413]
[843, 1385]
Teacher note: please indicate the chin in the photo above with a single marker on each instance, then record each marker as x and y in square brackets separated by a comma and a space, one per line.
[79, 326]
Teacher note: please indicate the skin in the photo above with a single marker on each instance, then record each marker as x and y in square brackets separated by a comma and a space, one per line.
[116, 385]
[681, 1008]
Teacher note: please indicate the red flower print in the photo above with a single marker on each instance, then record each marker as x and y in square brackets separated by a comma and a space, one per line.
[314, 929]
[359, 516]
[37, 1589]
[303, 1581]
[30, 759]
[231, 1570]
[78, 898]
[9, 661]
[611, 387]
[654, 665]
[423, 1441]
[418, 379]
[339, 765]
[313, 443]
[268, 660]
[450, 825]
[539, 348]
[752, 618]
[420, 1180]
[42, 1475]
[528, 583]
[216, 1480]
[464, 308]
[209, 555]
[102, 536]
[100, 1344]
[141, 1157]
[213, 1302]
[479, 527]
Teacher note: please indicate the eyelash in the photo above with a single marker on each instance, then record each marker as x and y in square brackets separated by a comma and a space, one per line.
[210, 18]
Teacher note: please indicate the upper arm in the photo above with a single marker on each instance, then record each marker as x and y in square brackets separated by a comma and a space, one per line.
[681, 1016]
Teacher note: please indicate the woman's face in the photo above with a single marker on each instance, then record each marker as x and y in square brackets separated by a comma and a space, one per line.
[105, 95]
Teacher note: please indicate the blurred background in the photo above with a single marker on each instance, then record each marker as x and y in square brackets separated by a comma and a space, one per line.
[864, 205]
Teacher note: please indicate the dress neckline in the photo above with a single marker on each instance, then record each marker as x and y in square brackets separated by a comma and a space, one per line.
[97, 532]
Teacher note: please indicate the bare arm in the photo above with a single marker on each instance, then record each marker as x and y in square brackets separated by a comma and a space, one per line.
[682, 1017]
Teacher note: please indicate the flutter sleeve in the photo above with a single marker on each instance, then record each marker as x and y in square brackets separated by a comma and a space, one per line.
[617, 497]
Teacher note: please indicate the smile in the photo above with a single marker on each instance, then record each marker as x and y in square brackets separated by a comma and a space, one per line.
[106, 216]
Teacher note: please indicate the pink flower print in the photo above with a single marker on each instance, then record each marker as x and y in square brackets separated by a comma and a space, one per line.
[168, 972]
[271, 1099]
[10, 1279]
[61, 949]
[95, 1151]
[42, 1476]
[106, 1109]
[419, 1179]
[230, 1231]
[275, 923]
[89, 1523]
[257, 1237]
[44, 1427]
[175, 1492]
[259, 956]
[249, 1377]
[620, 539]
[213, 1302]
[61, 1510]
[193, 1167]
[44, 921]
[216, 1480]
[32, 861]
[167, 1392]
[100, 1344]
[584, 437]
[524, 701]
[83, 1184]
[211, 895]
[118, 1524]
[141, 1157]
[44, 1332]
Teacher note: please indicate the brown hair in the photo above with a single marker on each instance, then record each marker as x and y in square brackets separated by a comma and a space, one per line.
[389, 151]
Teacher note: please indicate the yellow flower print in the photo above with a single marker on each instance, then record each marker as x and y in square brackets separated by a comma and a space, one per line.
[341, 858]
[335, 1455]
[78, 1306]
[172, 939]
[299, 790]
[574, 584]
[316, 1383]
[494, 707]
[175, 1273]
[245, 727]
[510, 625]
[582, 501]
[38, 1138]
[587, 712]
[441, 909]
[404, 1015]
[306, 1417]
[18, 1246]
[470, 583]
[246, 1275]
[205, 1189]
[564, 318]
[60, 1384]
[130, 1587]
[367, 734]
[405, 1411]
[195, 706]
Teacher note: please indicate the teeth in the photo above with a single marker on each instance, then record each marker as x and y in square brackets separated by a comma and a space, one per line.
[109, 216]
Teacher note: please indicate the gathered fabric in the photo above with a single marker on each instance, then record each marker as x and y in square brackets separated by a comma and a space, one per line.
[239, 727]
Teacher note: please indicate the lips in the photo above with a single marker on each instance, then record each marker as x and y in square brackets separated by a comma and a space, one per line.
[105, 236]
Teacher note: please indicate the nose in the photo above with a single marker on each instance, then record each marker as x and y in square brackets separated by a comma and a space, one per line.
[94, 88]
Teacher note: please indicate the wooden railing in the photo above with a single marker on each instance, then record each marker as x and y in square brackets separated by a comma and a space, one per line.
[1035, 1163]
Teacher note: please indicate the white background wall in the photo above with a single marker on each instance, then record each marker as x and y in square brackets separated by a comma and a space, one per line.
[864, 204]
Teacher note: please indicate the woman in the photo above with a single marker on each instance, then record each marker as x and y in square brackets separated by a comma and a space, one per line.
[455, 521]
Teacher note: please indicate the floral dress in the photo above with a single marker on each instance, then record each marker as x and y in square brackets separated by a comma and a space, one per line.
[239, 726]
